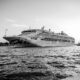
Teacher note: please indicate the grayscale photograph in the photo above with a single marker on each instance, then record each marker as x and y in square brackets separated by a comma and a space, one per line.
[39, 39]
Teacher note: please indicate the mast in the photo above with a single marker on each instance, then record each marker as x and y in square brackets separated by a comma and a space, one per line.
[42, 28]
[6, 32]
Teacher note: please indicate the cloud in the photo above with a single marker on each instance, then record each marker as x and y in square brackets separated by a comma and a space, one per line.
[14, 23]
[18, 25]
[10, 20]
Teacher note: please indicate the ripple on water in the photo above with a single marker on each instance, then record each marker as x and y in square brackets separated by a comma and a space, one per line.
[59, 63]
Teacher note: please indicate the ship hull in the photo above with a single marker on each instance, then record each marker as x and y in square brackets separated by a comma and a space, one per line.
[18, 41]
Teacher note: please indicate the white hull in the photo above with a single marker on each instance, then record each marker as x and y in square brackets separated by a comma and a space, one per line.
[39, 42]
[50, 43]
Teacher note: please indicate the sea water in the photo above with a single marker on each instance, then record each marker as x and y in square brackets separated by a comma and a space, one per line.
[35, 63]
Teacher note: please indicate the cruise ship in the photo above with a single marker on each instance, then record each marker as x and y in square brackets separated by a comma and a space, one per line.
[40, 38]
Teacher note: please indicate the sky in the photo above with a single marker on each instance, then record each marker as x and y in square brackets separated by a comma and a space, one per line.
[58, 15]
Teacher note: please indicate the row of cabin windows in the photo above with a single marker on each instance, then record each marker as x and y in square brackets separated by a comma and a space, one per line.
[50, 39]
[55, 36]
[34, 38]
[29, 31]
[59, 36]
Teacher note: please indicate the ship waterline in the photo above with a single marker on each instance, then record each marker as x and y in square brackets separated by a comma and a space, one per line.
[41, 38]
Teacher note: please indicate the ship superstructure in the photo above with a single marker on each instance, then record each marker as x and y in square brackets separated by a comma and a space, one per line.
[41, 37]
